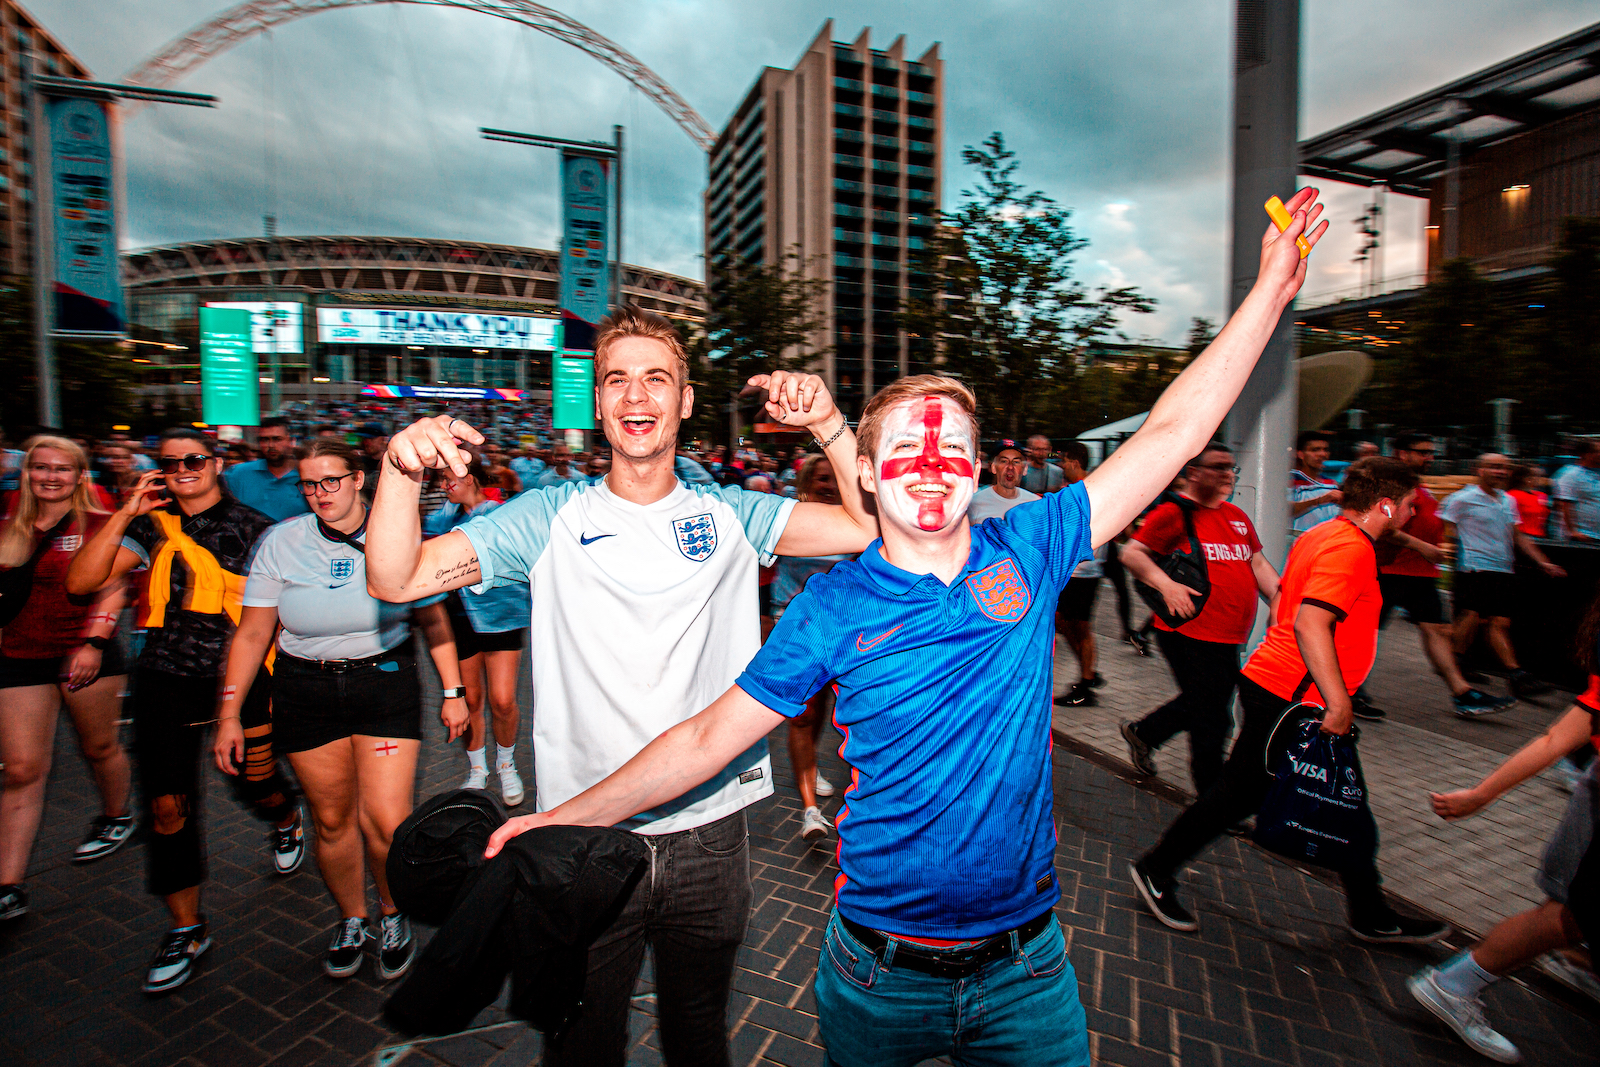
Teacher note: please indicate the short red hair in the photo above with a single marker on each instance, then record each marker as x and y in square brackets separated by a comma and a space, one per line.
[910, 388]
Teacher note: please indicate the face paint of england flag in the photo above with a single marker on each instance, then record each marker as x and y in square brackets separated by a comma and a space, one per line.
[925, 464]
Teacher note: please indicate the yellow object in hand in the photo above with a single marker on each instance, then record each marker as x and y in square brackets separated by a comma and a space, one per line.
[1281, 219]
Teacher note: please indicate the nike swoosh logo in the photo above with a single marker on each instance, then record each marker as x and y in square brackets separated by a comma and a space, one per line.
[341, 585]
[863, 645]
[582, 540]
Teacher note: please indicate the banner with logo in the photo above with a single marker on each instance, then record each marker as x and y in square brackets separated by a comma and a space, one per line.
[572, 386]
[87, 285]
[585, 247]
[230, 391]
[441, 392]
[444, 329]
[274, 327]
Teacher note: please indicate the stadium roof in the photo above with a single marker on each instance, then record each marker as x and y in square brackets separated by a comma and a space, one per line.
[1407, 146]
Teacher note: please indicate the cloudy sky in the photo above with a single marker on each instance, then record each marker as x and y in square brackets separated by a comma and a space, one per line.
[364, 121]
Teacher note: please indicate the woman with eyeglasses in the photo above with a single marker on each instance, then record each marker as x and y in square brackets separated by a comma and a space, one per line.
[489, 630]
[347, 700]
[55, 650]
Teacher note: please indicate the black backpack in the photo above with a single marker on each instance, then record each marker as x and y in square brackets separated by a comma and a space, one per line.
[1186, 566]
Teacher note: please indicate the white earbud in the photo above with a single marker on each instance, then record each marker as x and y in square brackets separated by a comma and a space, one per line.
[1387, 510]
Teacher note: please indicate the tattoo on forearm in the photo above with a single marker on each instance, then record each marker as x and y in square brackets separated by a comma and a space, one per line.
[456, 570]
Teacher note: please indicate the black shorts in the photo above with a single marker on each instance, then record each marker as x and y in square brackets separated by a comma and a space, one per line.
[313, 705]
[1076, 603]
[470, 642]
[1417, 596]
[1490, 594]
[16, 673]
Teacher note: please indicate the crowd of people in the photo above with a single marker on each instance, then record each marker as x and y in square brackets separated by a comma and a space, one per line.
[673, 608]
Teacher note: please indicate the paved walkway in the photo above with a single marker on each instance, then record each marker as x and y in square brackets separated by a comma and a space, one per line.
[1272, 978]
[1474, 872]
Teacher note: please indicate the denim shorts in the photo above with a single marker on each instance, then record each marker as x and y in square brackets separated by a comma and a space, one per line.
[1022, 1010]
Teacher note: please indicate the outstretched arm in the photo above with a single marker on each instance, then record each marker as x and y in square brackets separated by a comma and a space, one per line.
[1193, 406]
[401, 567]
[1564, 735]
[820, 529]
[666, 768]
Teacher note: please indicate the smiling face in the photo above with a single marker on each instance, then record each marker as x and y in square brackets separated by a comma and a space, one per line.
[925, 464]
[183, 483]
[640, 399]
[52, 475]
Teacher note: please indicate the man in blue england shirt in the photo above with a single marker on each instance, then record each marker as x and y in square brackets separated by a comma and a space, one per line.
[943, 941]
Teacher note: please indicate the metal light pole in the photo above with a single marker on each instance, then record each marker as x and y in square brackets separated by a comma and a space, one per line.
[37, 87]
[1266, 116]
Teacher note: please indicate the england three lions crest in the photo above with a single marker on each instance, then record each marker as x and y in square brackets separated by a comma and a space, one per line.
[1000, 592]
[341, 569]
[697, 536]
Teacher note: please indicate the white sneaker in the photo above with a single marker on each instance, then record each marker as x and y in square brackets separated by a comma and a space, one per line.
[1464, 1015]
[824, 787]
[476, 779]
[813, 824]
[1570, 975]
[510, 784]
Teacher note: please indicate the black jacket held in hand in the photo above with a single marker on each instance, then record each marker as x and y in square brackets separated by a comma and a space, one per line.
[532, 912]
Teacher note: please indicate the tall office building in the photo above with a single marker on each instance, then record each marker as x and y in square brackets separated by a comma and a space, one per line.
[22, 36]
[838, 162]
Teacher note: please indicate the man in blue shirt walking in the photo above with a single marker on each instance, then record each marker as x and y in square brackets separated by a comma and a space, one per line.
[943, 940]
[270, 484]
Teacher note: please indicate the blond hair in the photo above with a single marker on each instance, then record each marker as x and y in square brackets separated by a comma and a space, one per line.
[910, 388]
[17, 537]
[630, 320]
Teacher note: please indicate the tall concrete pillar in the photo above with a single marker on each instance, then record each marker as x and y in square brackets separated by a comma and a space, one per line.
[1266, 119]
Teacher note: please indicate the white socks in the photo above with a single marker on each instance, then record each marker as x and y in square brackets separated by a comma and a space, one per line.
[504, 755]
[478, 758]
[1462, 977]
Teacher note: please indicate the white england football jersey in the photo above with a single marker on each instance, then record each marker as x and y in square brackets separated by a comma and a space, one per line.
[642, 615]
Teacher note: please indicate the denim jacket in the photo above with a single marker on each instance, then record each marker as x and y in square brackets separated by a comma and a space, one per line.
[497, 610]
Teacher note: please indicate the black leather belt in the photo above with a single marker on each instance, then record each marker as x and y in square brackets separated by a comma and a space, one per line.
[341, 666]
[947, 962]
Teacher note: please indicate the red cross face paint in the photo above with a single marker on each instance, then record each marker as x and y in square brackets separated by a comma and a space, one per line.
[925, 463]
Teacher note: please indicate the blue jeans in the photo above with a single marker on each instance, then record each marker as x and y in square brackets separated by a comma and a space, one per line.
[1021, 1010]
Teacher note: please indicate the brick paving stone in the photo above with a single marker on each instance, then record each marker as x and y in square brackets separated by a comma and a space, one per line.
[1270, 978]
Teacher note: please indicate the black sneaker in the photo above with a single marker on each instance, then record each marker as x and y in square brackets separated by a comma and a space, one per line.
[1475, 704]
[1393, 929]
[1138, 751]
[1525, 685]
[396, 946]
[106, 835]
[289, 845]
[1140, 643]
[1364, 709]
[1079, 696]
[13, 902]
[1163, 901]
[174, 961]
[343, 957]
[1098, 681]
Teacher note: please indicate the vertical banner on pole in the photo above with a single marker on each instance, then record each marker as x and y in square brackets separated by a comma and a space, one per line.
[87, 287]
[230, 393]
[572, 383]
[585, 243]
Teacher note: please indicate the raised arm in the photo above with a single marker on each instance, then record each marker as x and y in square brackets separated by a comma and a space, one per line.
[401, 567]
[666, 768]
[1193, 406]
[103, 559]
[820, 529]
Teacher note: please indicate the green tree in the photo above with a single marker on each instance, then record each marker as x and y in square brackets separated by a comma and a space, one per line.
[94, 379]
[759, 317]
[1003, 308]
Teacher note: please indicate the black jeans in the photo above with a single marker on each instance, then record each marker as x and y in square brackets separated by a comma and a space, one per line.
[1207, 672]
[1114, 572]
[1238, 793]
[172, 719]
[691, 909]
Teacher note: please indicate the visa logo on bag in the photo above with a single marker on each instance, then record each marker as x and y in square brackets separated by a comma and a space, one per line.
[1310, 770]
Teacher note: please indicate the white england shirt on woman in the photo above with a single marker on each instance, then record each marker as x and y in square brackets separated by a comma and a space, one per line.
[641, 616]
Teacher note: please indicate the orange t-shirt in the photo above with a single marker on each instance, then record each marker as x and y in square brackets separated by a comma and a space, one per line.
[1534, 507]
[1333, 566]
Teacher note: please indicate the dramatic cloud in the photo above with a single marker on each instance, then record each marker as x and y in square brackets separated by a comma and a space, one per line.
[365, 120]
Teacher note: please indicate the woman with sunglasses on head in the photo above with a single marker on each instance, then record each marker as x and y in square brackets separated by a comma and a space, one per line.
[347, 701]
[195, 541]
[55, 650]
[489, 631]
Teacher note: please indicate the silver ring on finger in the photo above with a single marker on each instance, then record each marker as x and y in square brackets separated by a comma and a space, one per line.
[449, 427]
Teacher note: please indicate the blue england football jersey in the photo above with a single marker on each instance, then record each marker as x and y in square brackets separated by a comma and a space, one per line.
[944, 703]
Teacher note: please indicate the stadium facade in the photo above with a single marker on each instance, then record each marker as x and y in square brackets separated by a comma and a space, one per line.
[333, 316]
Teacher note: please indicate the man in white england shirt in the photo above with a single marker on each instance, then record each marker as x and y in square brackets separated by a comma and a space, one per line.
[643, 598]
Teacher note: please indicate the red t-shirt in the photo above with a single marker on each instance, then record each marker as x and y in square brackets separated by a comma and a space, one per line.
[1229, 541]
[51, 623]
[1424, 525]
[1333, 566]
[1590, 702]
[1534, 508]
